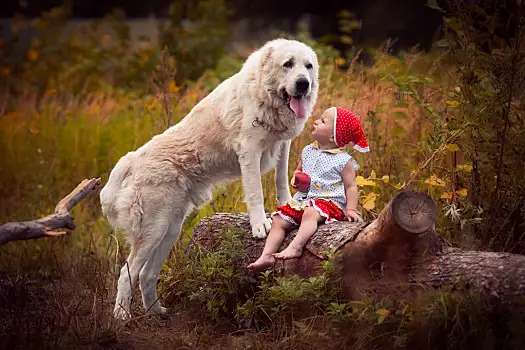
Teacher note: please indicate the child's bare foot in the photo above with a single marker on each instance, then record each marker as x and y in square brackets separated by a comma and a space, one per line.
[290, 252]
[263, 262]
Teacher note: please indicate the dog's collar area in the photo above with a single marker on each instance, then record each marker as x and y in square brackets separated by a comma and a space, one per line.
[257, 122]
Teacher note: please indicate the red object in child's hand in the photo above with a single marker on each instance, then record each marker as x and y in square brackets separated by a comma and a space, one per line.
[302, 181]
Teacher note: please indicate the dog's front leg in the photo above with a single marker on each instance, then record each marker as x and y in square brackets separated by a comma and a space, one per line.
[250, 162]
[281, 173]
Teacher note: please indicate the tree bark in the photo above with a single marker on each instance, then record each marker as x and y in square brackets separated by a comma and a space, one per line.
[399, 249]
[56, 224]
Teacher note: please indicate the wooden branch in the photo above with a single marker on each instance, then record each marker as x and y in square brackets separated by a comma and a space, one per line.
[56, 224]
[399, 249]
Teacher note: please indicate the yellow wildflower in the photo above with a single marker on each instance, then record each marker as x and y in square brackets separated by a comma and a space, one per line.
[173, 87]
[369, 202]
[462, 192]
[447, 195]
[435, 181]
[467, 168]
[361, 181]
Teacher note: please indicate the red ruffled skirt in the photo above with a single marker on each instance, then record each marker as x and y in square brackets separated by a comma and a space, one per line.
[294, 213]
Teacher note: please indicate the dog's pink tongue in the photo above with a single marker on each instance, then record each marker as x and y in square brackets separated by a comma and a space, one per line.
[297, 105]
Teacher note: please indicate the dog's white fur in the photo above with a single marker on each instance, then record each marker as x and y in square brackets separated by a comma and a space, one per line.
[150, 190]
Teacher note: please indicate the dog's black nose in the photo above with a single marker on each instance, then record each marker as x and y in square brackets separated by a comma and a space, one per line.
[301, 86]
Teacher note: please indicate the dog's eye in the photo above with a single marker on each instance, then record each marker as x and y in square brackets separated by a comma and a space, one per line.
[309, 66]
[288, 64]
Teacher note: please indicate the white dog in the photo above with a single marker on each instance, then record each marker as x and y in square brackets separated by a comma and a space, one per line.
[242, 128]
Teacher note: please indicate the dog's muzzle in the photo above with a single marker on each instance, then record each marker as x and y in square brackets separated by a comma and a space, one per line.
[301, 87]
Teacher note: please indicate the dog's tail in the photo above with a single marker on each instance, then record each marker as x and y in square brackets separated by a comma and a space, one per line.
[110, 192]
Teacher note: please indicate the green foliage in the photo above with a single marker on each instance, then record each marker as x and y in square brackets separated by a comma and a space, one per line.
[309, 312]
[212, 281]
[278, 298]
[486, 101]
[348, 26]
[80, 59]
[326, 54]
[197, 35]
[98, 53]
[226, 67]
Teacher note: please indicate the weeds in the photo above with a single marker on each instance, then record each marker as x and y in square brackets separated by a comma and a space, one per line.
[211, 281]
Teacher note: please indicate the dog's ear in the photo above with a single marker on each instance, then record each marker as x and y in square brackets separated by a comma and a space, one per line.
[266, 55]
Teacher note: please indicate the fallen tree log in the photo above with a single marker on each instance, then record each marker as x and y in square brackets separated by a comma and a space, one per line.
[56, 224]
[399, 249]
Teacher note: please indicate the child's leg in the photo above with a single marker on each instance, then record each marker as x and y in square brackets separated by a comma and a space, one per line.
[273, 242]
[311, 219]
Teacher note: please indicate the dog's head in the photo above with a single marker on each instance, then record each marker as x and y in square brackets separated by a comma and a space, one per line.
[290, 72]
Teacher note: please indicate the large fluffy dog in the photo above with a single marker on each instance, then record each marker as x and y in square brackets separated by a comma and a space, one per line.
[242, 128]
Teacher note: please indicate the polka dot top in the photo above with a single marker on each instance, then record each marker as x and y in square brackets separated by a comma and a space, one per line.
[324, 168]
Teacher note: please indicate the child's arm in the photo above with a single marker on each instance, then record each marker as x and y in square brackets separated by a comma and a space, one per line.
[348, 175]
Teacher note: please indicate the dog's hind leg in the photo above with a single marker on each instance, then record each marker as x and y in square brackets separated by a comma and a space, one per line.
[143, 247]
[149, 274]
[123, 300]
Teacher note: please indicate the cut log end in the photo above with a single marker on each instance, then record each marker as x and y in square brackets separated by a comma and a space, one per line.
[414, 212]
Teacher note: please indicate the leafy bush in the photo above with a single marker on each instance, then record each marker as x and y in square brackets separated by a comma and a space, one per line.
[100, 52]
[188, 36]
[281, 299]
[81, 59]
[209, 280]
[309, 312]
[487, 104]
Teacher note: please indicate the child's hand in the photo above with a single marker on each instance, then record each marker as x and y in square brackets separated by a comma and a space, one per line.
[292, 182]
[352, 215]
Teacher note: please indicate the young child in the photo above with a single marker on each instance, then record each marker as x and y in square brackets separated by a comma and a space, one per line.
[332, 194]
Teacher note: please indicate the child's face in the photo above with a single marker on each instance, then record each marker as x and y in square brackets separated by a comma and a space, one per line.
[323, 128]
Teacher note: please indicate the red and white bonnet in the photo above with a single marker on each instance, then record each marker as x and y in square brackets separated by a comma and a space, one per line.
[347, 128]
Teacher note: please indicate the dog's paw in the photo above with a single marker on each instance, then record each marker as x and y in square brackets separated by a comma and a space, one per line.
[157, 310]
[121, 314]
[260, 230]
